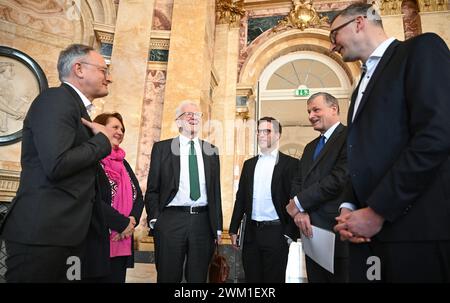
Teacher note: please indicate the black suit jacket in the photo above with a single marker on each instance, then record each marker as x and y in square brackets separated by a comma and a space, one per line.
[164, 178]
[399, 142]
[283, 174]
[59, 160]
[319, 184]
[96, 260]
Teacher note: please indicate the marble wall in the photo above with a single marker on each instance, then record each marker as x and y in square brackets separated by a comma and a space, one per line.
[162, 16]
[40, 30]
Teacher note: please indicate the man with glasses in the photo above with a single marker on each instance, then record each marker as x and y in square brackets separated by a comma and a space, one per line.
[50, 216]
[183, 200]
[319, 183]
[398, 152]
[264, 189]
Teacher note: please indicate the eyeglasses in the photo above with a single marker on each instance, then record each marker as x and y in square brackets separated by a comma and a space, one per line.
[263, 131]
[333, 32]
[196, 115]
[103, 69]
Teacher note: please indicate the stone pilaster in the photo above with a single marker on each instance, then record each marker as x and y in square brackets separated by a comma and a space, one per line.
[226, 55]
[190, 60]
[129, 67]
[437, 22]
[393, 25]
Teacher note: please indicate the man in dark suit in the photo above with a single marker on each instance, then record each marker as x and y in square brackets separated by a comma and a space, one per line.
[50, 216]
[398, 151]
[264, 189]
[183, 200]
[319, 184]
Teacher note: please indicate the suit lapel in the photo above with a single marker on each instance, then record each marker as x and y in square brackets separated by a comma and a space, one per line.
[374, 79]
[77, 98]
[352, 104]
[83, 112]
[337, 132]
[251, 179]
[206, 163]
[175, 156]
[276, 173]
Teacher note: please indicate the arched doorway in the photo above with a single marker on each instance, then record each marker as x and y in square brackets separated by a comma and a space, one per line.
[280, 97]
[278, 64]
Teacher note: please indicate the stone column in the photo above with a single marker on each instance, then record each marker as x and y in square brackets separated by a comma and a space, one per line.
[226, 54]
[393, 25]
[437, 22]
[128, 68]
[190, 59]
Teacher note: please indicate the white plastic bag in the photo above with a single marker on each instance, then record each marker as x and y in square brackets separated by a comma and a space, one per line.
[295, 270]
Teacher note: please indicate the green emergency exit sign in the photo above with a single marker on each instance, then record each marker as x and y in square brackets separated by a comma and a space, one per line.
[303, 92]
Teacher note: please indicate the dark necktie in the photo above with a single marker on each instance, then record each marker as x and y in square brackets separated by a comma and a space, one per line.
[194, 183]
[319, 147]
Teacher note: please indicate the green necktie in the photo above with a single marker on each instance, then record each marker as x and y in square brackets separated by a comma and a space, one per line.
[194, 183]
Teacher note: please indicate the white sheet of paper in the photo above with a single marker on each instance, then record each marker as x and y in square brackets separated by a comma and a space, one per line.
[320, 247]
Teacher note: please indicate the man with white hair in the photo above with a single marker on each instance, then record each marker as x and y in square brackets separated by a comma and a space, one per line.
[183, 200]
[50, 216]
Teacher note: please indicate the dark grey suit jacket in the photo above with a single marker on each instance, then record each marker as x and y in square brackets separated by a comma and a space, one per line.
[59, 160]
[319, 184]
[399, 142]
[164, 178]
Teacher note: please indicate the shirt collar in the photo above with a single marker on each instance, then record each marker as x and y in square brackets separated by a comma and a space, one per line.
[379, 51]
[273, 153]
[88, 104]
[185, 140]
[330, 131]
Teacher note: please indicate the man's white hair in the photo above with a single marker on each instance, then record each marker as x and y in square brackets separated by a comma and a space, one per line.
[183, 104]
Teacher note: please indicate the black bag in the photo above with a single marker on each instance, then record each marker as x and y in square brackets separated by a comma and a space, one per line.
[218, 268]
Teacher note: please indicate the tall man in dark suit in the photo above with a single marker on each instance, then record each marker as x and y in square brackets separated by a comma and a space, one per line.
[50, 216]
[183, 197]
[264, 189]
[398, 149]
[319, 184]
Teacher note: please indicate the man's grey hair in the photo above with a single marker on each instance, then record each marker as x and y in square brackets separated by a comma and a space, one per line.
[68, 56]
[361, 9]
[179, 110]
[330, 100]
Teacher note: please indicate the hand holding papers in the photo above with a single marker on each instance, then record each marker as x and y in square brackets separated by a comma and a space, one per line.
[320, 247]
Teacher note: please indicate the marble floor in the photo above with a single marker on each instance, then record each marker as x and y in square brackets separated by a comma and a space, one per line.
[141, 273]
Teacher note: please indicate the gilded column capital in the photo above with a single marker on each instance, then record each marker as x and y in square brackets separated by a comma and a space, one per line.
[229, 12]
[104, 32]
[394, 7]
[244, 95]
[388, 7]
[433, 5]
[9, 183]
[302, 15]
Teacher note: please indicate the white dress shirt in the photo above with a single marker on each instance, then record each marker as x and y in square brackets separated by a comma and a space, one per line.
[182, 198]
[371, 64]
[263, 208]
[87, 103]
